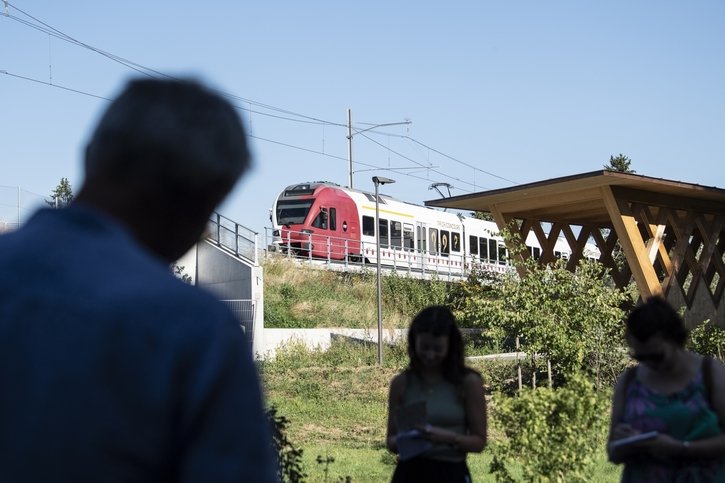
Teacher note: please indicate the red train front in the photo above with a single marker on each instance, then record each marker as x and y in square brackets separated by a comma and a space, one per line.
[318, 219]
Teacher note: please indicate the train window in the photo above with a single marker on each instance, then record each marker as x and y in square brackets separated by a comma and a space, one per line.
[502, 254]
[368, 226]
[492, 250]
[333, 219]
[408, 241]
[370, 197]
[422, 240]
[321, 220]
[292, 211]
[300, 189]
[396, 234]
[455, 242]
[473, 243]
[433, 238]
[445, 242]
[483, 248]
[383, 227]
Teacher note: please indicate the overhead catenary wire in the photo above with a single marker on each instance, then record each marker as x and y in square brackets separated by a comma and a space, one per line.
[288, 114]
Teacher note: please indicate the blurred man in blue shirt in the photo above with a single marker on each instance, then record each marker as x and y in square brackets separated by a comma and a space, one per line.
[112, 369]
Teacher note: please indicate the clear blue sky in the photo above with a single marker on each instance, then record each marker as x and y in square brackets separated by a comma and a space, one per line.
[523, 90]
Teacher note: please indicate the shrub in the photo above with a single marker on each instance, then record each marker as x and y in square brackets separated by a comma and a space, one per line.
[552, 433]
[708, 339]
[289, 457]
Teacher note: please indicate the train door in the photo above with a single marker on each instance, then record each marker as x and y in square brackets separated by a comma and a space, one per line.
[338, 226]
[320, 239]
[421, 236]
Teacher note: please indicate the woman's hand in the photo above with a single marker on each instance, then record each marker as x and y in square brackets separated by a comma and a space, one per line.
[618, 454]
[436, 434]
[663, 447]
[623, 430]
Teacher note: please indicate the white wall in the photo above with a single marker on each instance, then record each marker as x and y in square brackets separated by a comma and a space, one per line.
[320, 338]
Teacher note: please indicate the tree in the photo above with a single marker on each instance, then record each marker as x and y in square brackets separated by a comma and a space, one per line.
[569, 318]
[482, 215]
[619, 164]
[62, 195]
[179, 273]
[573, 319]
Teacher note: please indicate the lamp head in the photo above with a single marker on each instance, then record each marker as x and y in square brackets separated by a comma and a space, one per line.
[380, 180]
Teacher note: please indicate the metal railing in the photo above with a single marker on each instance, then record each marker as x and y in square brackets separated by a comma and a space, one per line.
[336, 250]
[234, 237]
[244, 310]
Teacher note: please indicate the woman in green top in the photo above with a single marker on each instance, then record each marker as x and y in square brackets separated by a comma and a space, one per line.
[436, 407]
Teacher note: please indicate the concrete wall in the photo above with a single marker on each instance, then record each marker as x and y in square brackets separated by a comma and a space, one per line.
[321, 338]
[229, 278]
[222, 273]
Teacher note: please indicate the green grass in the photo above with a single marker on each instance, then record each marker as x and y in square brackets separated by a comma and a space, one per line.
[337, 404]
[297, 296]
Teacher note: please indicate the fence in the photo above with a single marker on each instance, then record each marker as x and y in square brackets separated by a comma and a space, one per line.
[234, 237]
[244, 310]
[16, 206]
[336, 250]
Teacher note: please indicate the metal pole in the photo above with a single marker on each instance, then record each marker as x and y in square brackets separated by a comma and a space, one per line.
[380, 294]
[349, 148]
[378, 180]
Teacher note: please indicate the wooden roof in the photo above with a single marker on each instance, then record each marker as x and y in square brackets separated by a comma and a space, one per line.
[578, 199]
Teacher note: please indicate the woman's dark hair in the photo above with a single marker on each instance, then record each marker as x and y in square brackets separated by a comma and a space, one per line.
[438, 320]
[654, 317]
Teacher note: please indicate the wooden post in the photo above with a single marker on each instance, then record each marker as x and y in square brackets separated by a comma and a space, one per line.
[518, 362]
[533, 374]
[548, 370]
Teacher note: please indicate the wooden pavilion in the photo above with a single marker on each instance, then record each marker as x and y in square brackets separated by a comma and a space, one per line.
[671, 233]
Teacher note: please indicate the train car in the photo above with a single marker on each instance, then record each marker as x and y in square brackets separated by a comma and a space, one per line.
[323, 220]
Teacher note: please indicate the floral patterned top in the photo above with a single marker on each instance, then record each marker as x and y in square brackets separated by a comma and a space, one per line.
[685, 415]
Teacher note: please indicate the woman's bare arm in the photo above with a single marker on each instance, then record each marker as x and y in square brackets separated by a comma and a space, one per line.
[476, 415]
[617, 429]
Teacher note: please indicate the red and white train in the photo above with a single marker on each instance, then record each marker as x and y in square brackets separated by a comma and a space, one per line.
[326, 221]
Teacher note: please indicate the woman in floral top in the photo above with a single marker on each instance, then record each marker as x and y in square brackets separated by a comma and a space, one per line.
[675, 392]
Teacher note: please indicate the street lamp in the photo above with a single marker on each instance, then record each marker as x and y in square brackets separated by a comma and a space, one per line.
[378, 180]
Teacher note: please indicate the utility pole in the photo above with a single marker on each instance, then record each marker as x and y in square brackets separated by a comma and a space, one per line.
[349, 141]
[349, 148]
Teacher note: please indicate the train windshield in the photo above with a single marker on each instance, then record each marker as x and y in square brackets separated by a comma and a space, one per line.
[292, 212]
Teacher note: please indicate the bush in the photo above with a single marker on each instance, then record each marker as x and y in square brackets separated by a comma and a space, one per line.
[552, 433]
[289, 458]
[708, 339]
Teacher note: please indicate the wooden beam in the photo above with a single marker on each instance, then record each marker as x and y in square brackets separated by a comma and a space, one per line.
[669, 200]
[632, 244]
[502, 223]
